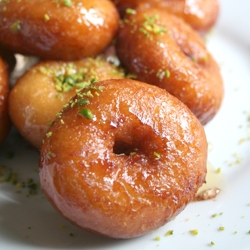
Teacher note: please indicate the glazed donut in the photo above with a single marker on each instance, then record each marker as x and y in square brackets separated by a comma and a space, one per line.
[42, 91]
[4, 93]
[57, 30]
[127, 162]
[200, 14]
[161, 49]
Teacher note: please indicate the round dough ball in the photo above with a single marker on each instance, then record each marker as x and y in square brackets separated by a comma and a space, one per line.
[163, 50]
[58, 30]
[46, 87]
[126, 162]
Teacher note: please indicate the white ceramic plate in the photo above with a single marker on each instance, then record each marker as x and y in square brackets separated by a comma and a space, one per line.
[29, 222]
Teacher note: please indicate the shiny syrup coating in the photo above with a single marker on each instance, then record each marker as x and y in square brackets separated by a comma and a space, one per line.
[35, 99]
[200, 14]
[163, 50]
[4, 94]
[54, 30]
[131, 168]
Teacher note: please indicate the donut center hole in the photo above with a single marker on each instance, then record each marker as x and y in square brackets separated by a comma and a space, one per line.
[122, 147]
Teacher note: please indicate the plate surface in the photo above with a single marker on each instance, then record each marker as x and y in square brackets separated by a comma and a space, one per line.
[29, 222]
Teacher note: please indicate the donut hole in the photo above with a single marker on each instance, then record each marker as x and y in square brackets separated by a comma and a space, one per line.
[137, 140]
[122, 147]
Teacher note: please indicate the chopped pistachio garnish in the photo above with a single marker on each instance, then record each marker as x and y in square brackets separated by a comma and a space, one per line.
[130, 11]
[194, 231]
[32, 186]
[158, 238]
[221, 228]
[86, 113]
[16, 26]
[167, 73]
[212, 243]
[68, 77]
[7, 175]
[46, 17]
[214, 215]
[249, 232]
[150, 25]
[82, 99]
[131, 76]
[204, 58]
[163, 74]
[58, 115]
[169, 232]
[48, 134]
[67, 3]
[157, 155]
[69, 80]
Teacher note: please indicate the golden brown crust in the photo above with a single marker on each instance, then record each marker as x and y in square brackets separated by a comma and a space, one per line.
[54, 31]
[38, 95]
[4, 93]
[132, 167]
[162, 50]
[200, 14]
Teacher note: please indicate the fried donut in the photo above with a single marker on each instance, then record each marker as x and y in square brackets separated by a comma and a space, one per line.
[4, 93]
[42, 91]
[200, 14]
[58, 30]
[127, 162]
[161, 49]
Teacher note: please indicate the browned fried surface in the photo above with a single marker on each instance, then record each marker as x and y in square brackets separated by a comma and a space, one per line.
[132, 167]
[162, 50]
[52, 30]
[36, 98]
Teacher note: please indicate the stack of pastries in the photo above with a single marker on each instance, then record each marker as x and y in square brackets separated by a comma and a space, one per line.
[116, 105]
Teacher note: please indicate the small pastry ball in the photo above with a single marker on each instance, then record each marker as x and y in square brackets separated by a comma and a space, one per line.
[127, 158]
[161, 49]
[42, 91]
[4, 94]
[58, 30]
